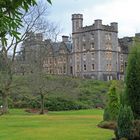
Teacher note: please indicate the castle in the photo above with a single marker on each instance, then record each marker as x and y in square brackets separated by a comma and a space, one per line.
[95, 51]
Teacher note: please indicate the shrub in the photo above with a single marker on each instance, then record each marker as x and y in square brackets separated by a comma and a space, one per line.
[106, 115]
[135, 132]
[124, 123]
[108, 125]
[113, 104]
[58, 104]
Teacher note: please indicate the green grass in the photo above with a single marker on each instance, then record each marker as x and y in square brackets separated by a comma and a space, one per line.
[68, 125]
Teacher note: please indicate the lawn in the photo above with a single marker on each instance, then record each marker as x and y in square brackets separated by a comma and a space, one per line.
[68, 125]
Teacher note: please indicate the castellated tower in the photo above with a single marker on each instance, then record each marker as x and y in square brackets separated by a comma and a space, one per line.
[95, 49]
[77, 22]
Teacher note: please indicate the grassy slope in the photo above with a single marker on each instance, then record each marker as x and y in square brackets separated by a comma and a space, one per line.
[71, 125]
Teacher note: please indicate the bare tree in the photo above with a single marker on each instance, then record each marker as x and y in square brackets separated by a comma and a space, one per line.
[34, 20]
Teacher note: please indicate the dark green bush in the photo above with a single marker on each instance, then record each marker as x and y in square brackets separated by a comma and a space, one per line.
[58, 104]
[135, 132]
[113, 102]
[106, 115]
[124, 123]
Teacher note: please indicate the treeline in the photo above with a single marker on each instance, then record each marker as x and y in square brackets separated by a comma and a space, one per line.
[60, 93]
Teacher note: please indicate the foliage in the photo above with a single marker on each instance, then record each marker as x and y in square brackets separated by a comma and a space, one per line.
[59, 104]
[11, 13]
[71, 94]
[124, 123]
[106, 115]
[133, 80]
[135, 132]
[108, 125]
[113, 104]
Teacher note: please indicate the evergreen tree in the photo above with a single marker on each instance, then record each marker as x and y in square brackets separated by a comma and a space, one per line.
[133, 80]
[124, 123]
[112, 109]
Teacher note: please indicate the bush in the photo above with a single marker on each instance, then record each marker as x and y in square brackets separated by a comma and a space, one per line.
[124, 123]
[59, 104]
[108, 125]
[135, 132]
[106, 115]
[113, 104]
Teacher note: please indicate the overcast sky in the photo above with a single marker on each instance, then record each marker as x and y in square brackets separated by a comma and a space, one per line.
[125, 12]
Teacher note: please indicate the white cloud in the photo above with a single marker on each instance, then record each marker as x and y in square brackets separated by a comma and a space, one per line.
[125, 12]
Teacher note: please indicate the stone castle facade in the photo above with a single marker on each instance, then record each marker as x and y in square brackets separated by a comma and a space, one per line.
[95, 51]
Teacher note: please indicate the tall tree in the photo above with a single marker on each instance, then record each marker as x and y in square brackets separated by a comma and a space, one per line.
[31, 21]
[133, 79]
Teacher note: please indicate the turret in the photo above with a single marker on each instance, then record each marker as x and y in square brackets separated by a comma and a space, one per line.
[77, 22]
[98, 24]
[115, 26]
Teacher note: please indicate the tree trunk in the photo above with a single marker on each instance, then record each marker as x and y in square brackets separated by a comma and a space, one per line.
[42, 104]
[5, 103]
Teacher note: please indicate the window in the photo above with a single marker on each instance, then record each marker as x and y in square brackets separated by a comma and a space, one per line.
[125, 64]
[92, 46]
[77, 43]
[77, 24]
[71, 70]
[70, 60]
[78, 57]
[121, 57]
[50, 60]
[84, 56]
[83, 38]
[78, 67]
[62, 51]
[108, 55]
[64, 69]
[92, 67]
[92, 36]
[108, 46]
[121, 68]
[108, 36]
[64, 59]
[84, 47]
[92, 56]
[109, 67]
[55, 61]
[85, 67]
[109, 77]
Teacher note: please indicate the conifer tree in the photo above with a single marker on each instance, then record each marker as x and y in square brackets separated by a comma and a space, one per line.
[133, 79]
